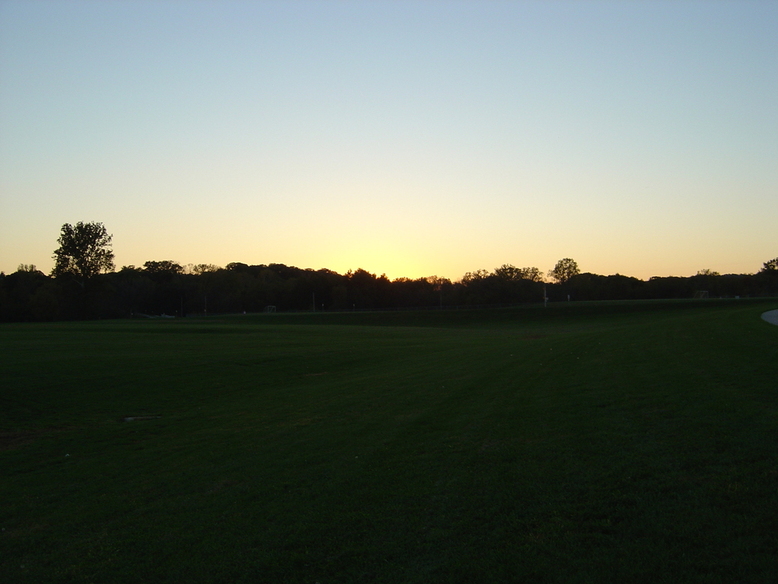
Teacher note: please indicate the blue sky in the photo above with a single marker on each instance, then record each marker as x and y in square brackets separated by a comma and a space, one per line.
[406, 138]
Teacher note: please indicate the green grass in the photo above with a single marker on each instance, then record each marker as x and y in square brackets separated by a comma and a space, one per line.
[582, 443]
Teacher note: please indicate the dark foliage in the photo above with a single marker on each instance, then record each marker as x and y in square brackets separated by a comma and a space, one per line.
[84, 251]
[166, 288]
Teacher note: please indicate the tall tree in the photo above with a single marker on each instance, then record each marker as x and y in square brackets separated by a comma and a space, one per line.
[84, 251]
[564, 269]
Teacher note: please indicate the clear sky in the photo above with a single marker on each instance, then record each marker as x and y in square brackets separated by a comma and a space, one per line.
[405, 138]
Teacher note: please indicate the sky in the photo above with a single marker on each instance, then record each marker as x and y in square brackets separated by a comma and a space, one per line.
[407, 138]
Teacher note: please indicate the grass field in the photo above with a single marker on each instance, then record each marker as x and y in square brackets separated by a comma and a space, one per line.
[581, 443]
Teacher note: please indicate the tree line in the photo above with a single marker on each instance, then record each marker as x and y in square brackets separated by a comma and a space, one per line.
[85, 285]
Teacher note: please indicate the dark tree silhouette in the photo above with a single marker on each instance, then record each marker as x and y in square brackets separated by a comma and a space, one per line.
[84, 251]
[564, 270]
[164, 266]
[511, 272]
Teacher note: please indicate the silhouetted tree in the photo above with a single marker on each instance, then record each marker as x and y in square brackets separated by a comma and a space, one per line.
[564, 270]
[18, 290]
[474, 276]
[532, 274]
[200, 269]
[164, 266]
[588, 286]
[28, 268]
[768, 277]
[510, 272]
[84, 251]
[133, 291]
[438, 285]
[169, 290]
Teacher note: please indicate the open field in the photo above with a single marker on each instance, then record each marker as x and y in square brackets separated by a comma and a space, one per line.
[581, 443]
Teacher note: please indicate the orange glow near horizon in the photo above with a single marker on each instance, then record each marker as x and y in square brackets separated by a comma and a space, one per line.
[405, 138]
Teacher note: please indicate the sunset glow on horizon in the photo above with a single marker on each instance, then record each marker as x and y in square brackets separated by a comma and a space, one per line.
[405, 138]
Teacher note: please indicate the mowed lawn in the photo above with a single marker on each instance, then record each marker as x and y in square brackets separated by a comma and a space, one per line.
[623, 442]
